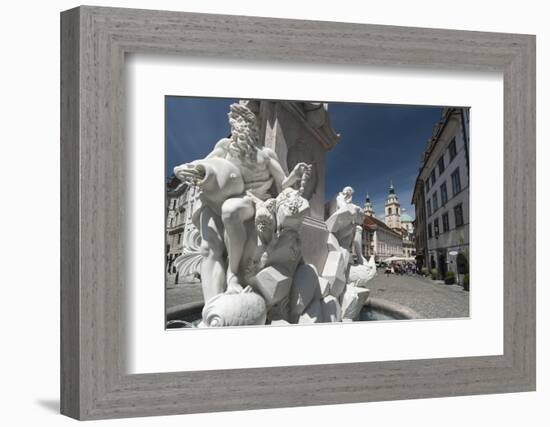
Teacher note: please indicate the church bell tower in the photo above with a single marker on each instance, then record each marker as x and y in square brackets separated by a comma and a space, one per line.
[368, 208]
[392, 210]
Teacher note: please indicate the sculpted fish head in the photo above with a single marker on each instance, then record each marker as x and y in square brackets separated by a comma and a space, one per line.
[245, 308]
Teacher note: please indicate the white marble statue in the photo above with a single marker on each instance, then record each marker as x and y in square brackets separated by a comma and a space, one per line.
[239, 218]
[248, 239]
[346, 221]
[337, 293]
[345, 226]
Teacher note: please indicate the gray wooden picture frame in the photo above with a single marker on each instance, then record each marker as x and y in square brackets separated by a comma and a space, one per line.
[94, 41]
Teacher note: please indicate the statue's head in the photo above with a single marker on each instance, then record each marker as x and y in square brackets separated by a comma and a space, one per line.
[347, 192]
[244, 130]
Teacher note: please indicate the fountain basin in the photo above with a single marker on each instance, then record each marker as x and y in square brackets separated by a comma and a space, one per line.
[376, 309]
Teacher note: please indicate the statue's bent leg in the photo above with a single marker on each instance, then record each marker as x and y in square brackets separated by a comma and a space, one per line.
[212, 248]
[235, 212]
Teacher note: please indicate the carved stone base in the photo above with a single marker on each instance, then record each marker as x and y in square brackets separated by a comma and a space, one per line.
[314, 235]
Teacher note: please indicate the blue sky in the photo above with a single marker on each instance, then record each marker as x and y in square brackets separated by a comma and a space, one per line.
[379, 143]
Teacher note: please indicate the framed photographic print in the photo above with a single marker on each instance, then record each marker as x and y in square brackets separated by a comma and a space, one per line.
[307, 252]
[280, 213]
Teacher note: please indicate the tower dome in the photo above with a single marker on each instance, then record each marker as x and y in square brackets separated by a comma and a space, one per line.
[406, 218]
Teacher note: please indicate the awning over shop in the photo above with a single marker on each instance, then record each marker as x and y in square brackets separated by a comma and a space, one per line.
[399, 259]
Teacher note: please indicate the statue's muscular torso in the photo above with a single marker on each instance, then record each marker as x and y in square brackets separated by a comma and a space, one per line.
[256, 173]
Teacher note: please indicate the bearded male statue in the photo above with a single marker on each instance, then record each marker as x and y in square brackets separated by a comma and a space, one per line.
[236, 175]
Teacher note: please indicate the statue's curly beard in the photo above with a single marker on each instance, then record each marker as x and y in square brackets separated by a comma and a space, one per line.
[243, 144]
[244, 132]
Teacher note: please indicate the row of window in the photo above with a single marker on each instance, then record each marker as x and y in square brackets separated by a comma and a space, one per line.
[171, 257]
[174, 219]
[459, 221]
[441, 165]
[175, 201]
[384, 247]
[173, 239]
[433, 203]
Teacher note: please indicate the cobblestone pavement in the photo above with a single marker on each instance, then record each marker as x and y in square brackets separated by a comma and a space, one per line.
[428, 298]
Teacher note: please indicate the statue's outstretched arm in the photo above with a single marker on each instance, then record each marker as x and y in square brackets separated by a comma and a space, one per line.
[192, 171]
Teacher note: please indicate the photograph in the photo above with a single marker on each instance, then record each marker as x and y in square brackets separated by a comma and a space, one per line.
[284, 212]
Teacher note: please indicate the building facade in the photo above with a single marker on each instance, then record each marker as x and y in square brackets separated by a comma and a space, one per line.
[392, 237]
[180, 198]
[420, 225]
[399, 222]
[380, 240]
[407, 231]
[442, 192]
